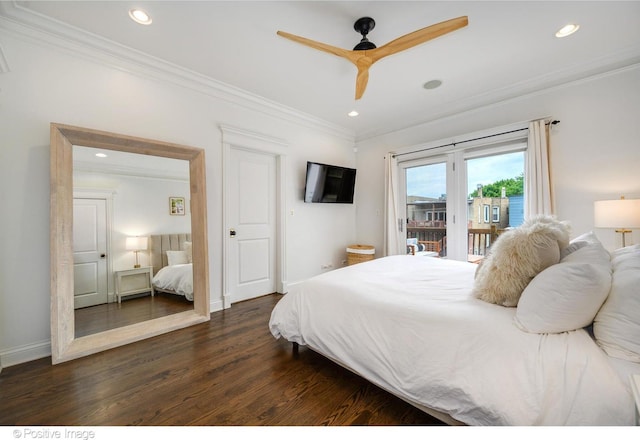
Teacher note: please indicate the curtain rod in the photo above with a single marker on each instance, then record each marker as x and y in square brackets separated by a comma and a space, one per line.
[554, 122]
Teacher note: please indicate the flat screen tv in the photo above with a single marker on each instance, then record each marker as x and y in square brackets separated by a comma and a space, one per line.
[329, 183]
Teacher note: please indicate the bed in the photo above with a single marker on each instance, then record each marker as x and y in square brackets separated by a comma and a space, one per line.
[414, 327]
[172, 266]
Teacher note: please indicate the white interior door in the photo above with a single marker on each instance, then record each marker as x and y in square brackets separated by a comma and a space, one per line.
[89, 252]
[252, 224]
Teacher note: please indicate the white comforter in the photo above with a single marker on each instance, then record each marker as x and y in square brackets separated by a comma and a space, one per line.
[177, 278]
[410, 325]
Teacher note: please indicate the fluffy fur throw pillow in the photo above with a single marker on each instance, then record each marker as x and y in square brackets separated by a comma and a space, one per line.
[517, 256]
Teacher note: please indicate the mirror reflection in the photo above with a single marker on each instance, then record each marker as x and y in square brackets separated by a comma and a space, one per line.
[132, 249]
[64, 343]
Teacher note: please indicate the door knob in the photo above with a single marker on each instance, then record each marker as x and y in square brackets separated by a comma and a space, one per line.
[103, 255]
[232, 232]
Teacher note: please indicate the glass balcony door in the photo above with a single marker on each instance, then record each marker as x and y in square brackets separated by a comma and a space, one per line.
[495, 201]
[426, 206]
[460, 210]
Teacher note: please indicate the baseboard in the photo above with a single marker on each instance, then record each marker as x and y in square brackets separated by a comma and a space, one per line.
[215, 306]
[25, 353]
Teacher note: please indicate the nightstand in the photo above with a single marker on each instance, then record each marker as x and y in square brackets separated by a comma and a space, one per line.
[133, 281]
[635, 386]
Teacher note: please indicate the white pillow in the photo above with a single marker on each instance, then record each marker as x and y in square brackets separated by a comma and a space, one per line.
[579, 242]
[617, 324]
[633, 249]
[563, 297]
[516, 257]
[589, 237]
[176, 257]
[568, 295]
[573, 246]
[188, 250]
[590, 252]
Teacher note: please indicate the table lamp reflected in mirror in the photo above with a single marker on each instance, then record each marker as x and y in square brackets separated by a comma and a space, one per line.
[137, 244]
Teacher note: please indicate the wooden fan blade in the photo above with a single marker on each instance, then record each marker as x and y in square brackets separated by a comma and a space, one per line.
[418, 37]
[363, 63]
[361, 82]
[317, 45]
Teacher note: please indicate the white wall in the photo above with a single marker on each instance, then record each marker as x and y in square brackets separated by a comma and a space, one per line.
[140, 207]
[595, 150]
[45, 83]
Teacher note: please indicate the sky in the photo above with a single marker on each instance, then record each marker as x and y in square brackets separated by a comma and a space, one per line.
[430, 180]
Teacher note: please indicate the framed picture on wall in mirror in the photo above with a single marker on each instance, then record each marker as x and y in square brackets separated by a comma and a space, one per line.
[176, 206]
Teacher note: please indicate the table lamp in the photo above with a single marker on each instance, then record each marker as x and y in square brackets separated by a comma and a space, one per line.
[621, 214]
[137, 244]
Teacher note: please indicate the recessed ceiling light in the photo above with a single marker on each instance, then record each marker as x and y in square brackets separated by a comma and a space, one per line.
[353, 113]
[567, 30]
[101, 155]
[433, 84]
[140, 16]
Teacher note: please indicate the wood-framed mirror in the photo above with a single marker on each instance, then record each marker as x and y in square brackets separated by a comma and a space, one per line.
[65, 345]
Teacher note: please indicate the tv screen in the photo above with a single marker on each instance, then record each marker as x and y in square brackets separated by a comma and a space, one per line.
[329, 184]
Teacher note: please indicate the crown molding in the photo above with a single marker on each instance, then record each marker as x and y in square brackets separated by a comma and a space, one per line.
[35, 27]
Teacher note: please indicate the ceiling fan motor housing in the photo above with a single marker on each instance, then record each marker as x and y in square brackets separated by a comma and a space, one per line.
[363, 26]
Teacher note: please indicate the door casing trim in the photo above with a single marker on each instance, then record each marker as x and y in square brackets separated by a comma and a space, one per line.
[237, 138]
[107, 195]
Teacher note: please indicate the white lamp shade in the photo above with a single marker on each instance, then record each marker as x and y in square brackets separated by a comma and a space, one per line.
[137, 243]
[620, 213]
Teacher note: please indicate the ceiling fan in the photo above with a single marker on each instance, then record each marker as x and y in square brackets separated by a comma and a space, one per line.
[365, 53]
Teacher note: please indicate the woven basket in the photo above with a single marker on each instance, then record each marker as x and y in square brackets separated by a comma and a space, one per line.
[358, 253]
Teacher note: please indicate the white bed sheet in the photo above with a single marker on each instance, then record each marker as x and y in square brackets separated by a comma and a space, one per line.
[177, 278]
[411, 326]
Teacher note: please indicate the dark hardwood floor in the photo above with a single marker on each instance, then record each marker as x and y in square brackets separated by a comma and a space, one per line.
[95, 319]
[229, 371]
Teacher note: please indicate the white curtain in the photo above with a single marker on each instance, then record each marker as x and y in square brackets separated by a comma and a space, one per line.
[393, 225]
[538, 182]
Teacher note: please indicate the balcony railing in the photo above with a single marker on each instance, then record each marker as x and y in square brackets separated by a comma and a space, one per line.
[478, 240]
[429, 233]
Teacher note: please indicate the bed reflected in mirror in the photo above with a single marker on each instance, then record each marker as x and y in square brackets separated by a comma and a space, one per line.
[132, 247]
